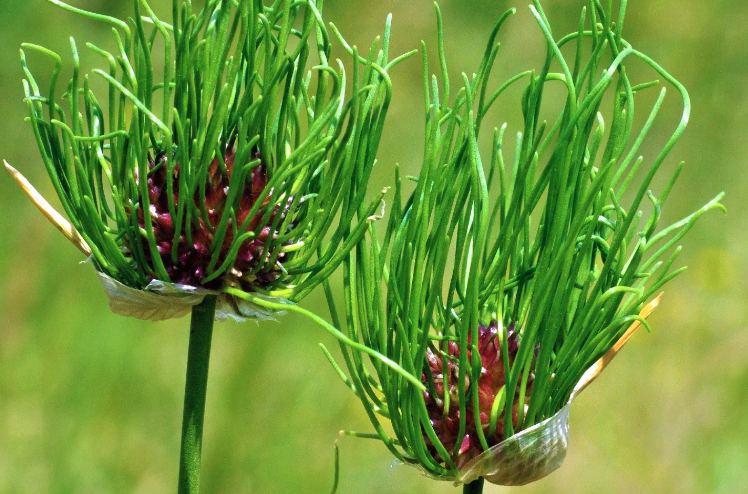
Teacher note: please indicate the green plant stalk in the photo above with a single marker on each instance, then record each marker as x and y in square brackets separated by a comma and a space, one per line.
[198, 360]
[474, 487]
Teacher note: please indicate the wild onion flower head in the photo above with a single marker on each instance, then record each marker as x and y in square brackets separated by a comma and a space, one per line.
[218, 159]
[444, 374]
[504, 276]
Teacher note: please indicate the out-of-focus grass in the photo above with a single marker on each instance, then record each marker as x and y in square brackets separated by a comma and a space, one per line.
[91, 402]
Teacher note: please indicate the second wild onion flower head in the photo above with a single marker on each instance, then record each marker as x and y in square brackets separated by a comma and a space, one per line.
[504, 277]
[217, 159]
[445, 376]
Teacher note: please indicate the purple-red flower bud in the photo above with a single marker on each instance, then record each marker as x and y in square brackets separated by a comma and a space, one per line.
[446, 422]
[193, 258]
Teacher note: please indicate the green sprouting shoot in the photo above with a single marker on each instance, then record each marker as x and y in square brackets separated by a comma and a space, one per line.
[230, 150]
[558, 243]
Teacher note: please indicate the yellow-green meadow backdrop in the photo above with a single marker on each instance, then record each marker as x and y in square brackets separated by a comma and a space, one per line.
[91, 402]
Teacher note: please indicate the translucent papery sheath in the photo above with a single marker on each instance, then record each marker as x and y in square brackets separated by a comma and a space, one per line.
[535, 258]
[217, 158]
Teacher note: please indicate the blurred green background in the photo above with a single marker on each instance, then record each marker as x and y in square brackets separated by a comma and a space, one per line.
[91, 402]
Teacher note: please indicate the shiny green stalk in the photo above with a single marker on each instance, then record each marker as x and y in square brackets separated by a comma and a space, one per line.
[196, 387]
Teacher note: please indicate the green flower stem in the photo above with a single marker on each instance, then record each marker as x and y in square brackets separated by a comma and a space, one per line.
[198, 359]
[474, 487]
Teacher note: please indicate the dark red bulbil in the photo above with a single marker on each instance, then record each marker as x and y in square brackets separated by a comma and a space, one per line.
[193, 259]
[446, 423]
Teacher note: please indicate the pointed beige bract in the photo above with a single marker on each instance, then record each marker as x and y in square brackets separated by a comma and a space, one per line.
[52, 215]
